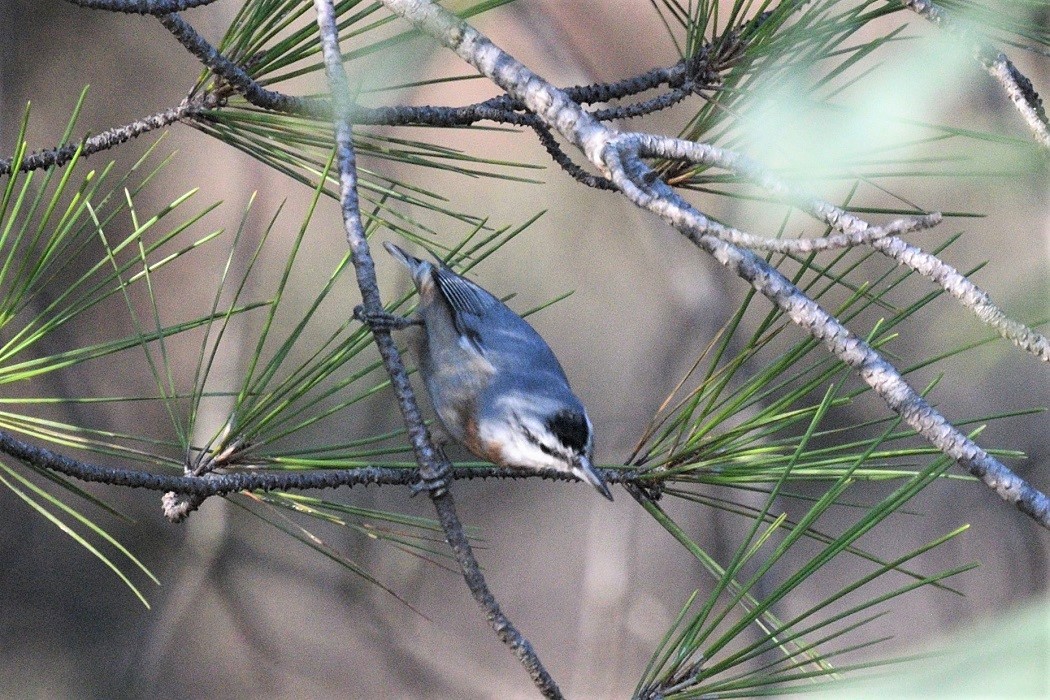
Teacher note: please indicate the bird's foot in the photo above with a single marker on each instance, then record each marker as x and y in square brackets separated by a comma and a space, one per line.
[435, 486]
[383, 319]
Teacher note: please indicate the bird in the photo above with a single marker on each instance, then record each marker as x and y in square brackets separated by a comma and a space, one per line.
[495, 384]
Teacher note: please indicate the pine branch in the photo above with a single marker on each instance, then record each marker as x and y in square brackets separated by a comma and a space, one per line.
[433, 466]
[107, 139]
[224, 484]
[142, 7]
[688, 76]
[1017, 86]
[604, 148]
[619, 156]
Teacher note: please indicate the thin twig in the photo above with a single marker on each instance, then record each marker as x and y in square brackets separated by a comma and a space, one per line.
[1022, 95]
[106, 140]
[257, 480]
[142, 7]
[618, 155]
[236, 76]
[1017, 86]
[969, 294]
[432, 464]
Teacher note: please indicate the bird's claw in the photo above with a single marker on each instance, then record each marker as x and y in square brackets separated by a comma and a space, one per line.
[436, 486]
[383, 319]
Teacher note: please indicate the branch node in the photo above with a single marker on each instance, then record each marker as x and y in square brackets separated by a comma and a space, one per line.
[177, 509]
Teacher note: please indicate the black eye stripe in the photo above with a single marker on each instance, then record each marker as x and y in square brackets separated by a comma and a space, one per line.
[571, 429]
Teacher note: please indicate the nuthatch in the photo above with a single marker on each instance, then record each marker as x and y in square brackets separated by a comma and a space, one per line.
[495, 384]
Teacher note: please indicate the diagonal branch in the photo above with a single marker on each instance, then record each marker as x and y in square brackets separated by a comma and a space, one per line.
[852, 231]
[141, 7]
[1017, 86]
[104, 141]
[433, 466]
[969, 294]
[692, 75]
[619, 156]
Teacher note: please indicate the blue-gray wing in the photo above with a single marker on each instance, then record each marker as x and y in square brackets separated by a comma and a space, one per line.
[467, 301]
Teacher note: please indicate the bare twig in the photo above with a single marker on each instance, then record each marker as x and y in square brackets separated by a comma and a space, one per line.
[101, 142]
[224, 484]
[142, 7]
[432, 464]
[969, 294]
[1017, 86]
[236, 76]
[619, 156]
[1022, 95]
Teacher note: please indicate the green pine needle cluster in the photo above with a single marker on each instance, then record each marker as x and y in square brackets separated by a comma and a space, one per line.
[760, 412]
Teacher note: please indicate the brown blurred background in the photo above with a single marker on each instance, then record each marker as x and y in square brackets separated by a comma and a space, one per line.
[594, 585]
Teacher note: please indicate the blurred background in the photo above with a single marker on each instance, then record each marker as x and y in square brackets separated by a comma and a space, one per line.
[244, 613]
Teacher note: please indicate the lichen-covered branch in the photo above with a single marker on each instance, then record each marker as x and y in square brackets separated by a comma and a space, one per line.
[853, 230]
[142, 7]
[618, 155]
[1018, 87]
[969, 294]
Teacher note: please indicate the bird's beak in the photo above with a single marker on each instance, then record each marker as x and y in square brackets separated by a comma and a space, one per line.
[398, 253]
[585, 471]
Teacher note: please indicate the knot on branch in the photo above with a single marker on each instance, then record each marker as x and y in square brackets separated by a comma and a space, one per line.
[703, 69]
[682, 679]
[177, 508]
[142, 7]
